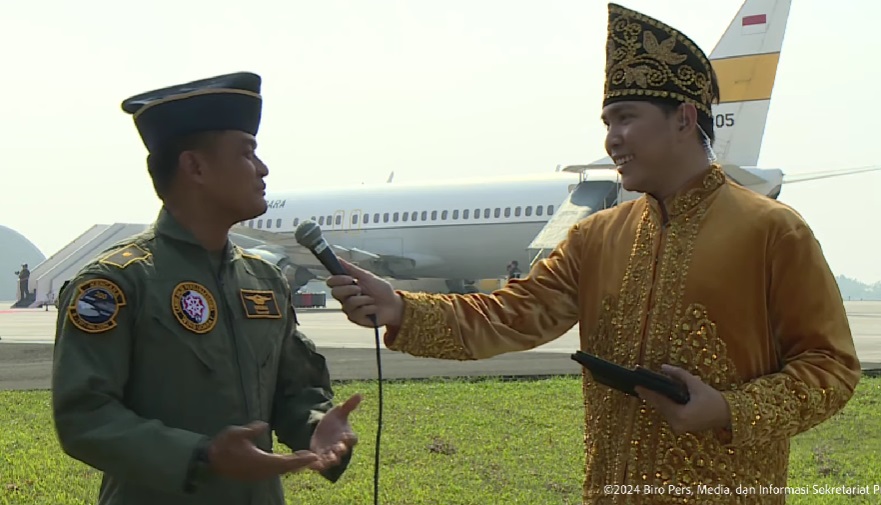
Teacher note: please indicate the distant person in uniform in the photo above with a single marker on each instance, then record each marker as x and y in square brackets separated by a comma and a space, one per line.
[514, 270]
[24, 276]
[716, 285]
[178, 355]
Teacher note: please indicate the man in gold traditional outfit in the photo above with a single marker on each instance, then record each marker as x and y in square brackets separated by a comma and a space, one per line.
[701, 278]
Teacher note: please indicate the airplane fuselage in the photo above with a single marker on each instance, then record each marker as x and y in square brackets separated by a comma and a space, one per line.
[431, 228]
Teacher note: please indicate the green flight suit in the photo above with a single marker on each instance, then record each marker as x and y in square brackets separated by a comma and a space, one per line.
[159, 346]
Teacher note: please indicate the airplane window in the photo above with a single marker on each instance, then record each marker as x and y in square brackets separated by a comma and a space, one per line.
[507, 211]
[476, 213]
[395, 216]
[424, 215]
[321, 220]
[405, 216]
[414, 216]
[550, 209]
[456, 214]
[296, 221]
[444, 216]
[354, 218]
[465, 213]
[529, 210]
[498, 212]
[539, 209]
[376, 218]
[269, 223]
[486, 213]
[385, 218]
[251, 223]
[434, 215]
[278, 223]
[313, 218]
[259, 223]
[329, 220]
[366, 218]
[516, 211]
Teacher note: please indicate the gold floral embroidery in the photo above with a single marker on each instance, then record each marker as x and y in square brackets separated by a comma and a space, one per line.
[626, 441]
[652, 455]
[645, 57]
[683, 203]
[780, 405]
[425, 332]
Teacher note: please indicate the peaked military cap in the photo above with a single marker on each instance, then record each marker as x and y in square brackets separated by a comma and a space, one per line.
[648, 60]
[225, 102]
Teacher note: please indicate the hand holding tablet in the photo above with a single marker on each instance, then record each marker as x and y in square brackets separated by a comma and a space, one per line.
[624, 379]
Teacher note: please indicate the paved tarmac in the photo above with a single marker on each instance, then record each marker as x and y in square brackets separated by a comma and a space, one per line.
[26, 351]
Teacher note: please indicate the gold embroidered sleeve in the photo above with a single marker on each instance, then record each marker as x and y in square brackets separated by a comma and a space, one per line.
[425, 331]
[526, 313]
[820, 369]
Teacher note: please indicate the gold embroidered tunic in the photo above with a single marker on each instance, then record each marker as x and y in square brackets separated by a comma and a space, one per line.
[733, 288]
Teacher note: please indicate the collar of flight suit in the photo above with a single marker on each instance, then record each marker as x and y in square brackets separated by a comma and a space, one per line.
[170, 227]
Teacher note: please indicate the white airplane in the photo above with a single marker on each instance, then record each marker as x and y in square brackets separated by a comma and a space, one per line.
[464, 231]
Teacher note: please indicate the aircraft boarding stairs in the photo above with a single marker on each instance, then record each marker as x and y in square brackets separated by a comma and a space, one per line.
[25, 302]
[588, 196]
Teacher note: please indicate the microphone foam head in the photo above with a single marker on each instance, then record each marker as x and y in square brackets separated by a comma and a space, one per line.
[308, 234]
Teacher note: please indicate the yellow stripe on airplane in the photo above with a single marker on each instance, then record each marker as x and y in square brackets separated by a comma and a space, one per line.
[746, 78]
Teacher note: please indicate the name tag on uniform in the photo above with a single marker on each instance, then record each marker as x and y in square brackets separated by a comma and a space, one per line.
[260, 304]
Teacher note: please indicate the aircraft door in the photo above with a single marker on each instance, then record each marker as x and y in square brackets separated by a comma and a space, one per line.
[354, 222]
[339, 220]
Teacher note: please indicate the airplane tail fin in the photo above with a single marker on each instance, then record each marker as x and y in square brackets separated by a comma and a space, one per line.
[745, 60]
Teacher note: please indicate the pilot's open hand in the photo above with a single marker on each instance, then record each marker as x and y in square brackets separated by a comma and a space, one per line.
[361, 294]
[333, 436]
[233, 454]
[706, 410]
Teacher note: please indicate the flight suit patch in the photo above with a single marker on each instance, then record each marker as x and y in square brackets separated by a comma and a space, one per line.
[260, 304]
[125, 256]
[96, 305]
[194, 308]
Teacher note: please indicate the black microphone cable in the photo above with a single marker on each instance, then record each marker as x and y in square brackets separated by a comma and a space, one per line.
[379, 415]
[308, 235]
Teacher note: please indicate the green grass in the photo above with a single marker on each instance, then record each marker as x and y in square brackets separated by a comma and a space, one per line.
[450, 442]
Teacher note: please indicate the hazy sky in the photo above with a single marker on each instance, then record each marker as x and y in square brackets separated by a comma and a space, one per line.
[430, 89]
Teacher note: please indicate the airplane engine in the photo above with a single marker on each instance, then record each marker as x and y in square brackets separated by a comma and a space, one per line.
[296, 276]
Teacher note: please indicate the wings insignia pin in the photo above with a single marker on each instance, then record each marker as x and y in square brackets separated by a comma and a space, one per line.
[260, 304]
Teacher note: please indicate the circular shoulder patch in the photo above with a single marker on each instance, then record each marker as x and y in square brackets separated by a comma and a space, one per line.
[95, 306]
[194, 307]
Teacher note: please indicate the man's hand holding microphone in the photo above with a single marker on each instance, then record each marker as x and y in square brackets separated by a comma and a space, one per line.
[361, 294]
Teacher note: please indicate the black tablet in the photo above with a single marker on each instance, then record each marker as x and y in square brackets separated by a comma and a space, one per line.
[624, 379]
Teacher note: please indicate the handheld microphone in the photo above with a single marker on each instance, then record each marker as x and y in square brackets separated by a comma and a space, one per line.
[308, 235]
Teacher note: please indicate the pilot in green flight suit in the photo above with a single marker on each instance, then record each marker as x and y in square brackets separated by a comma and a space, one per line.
[177, 354]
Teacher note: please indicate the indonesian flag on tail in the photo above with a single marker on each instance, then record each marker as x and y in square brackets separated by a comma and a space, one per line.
[753, 24]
